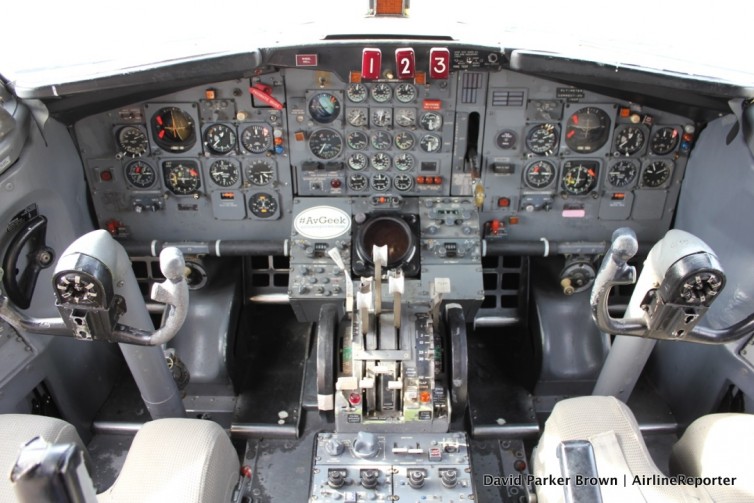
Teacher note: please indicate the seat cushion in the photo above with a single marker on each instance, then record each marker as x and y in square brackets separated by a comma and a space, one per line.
[16, 430]
[186, 460]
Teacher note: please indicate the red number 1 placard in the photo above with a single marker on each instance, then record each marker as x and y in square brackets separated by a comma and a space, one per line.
[371, 61]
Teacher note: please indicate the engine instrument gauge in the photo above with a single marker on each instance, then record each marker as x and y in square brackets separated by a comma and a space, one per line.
[219, 138]
[132, 141]
[622, 173]
[629, 139]
[173, 129]
[324, 108]
[580, 177]
[260, 172]
[256, 138]
[405, 93]
[382, 117]
[382, 92]
[325, 143]
[357, 117]
[140, 174]
[380, 182]
[357, 140]
[431, 121]
[381, 140]
[656, 173]
[543, 139]
[358, 161]
[357, 93]
[404, 162]
[430, 143]
[357, 182]
[224, 173]
[263, 205]
[587, 130]
[181, 177]
[506, 140]
[405, 117]
[664, 140]
[404, 140]
[381, 161]
[403, 182]
[539, 174]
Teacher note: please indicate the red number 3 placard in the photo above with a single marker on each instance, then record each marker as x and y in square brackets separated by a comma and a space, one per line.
[439, 63]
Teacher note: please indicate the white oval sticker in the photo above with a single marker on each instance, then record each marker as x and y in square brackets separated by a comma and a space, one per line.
[322, 222]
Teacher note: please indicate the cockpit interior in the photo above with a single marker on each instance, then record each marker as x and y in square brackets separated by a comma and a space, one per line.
[377, 267]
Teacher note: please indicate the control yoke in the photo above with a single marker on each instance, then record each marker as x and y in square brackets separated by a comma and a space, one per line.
[680, 279]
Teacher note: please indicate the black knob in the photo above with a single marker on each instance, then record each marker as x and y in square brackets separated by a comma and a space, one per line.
[449, 478]
[336, 478]
[416, 478]
[369, 478]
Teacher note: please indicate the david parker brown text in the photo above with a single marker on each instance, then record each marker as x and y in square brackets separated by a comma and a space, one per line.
[580, 480]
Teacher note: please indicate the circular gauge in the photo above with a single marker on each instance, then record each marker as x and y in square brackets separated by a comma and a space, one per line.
[357, 93]
[405, 93]
[381, 140]
[405, 117]
[219, 138]
[404, 140]
[539, 174]
[256, 139]
[181, 177]
[543, 139]
[357, 182]
[357, 117]
[382, 93]
[224, 173]
[431, 121]
[664, 140]
[325, 143]
[587, 130]
[132, 141]
[380, 182]
[579, 177]
[324, 108]
[173, 129]
[404, 162]
[263, 205]
[629, 139]
[656, 173]
[382, 117]
[403, 182]
[430, 143]
[381, 161]
[357, 140]
[622, 173]
[358, 161]
[260, 172]
[506, 140]
[140, 174]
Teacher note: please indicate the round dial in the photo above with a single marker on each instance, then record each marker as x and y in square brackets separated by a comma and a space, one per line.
[260, 172]
[358, 161]
[324, 108]
[357, 93]
[381, 140]
[539, 174]
[404, 162]
[405, 117]
[587, 130]
[430, 143]
[382, 117]
[325, 143]
[357, 140]
[656, 173]
[381, 161]
[224, 173]
[404, 140]
[357, 117]
[579, 177]
[181, 177]
[382, 92]
[219, 138]
[173, 129]
[140, 174]
[405, 93]
[357, 182]
[543, 139]
[664, 140]
[380, 182]
[132, 141]
[263, 205]
[629, 139]
[622, 173]
[256, 139]
[431, 121]
[403, 182]
[506, 140]
[78, 288]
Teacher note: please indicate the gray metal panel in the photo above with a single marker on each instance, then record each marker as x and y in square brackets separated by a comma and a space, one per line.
[649, 204]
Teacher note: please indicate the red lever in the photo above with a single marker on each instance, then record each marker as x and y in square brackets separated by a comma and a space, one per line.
[262, 93]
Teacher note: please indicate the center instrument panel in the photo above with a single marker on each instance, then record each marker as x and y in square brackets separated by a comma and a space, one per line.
[541, 159]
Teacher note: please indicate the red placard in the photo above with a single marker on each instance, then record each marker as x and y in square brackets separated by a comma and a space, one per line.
[405, 63]
[371, 63]
[307, 60]
[439, 63]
